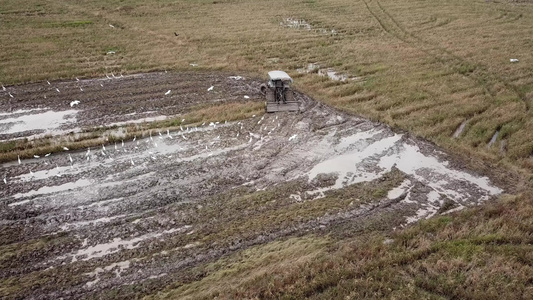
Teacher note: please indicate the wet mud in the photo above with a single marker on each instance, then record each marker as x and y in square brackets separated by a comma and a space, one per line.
[146, 212]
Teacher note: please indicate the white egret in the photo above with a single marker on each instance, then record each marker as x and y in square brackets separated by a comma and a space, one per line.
[36, 156]
[132, 163]
[48, 82]
[168, 92]
[75, 102]
[5, 180]
[70, 158]
[10, 94]
[47, 154]
[19, 159]
[77, 79]
[65, 148]
[57, 90]
[103, 147]
[122, 143]
[210, 89]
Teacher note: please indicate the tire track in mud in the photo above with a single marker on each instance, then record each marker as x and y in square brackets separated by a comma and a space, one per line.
[475, 70]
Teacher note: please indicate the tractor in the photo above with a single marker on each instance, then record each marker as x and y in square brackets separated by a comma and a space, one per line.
[279, 96]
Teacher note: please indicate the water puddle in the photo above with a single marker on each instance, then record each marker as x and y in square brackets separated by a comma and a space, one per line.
[46, 121]
[118, 268]
[69, 226]
[295, 23]
[459, 130]
[329, 72]
[119, 244]
[366, 156]
[493, 139]
[311, 67]
[302, 24]
[332, 74]
[51, 189]
[399, 190]
[137, 121]
[43, 174]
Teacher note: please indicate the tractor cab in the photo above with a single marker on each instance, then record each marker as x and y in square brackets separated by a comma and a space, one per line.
[278, 94]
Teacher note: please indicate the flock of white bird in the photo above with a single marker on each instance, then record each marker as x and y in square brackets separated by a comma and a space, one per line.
[104, 153]
[150, 139]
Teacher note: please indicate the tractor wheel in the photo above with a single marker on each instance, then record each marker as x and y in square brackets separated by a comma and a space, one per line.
[264, 89]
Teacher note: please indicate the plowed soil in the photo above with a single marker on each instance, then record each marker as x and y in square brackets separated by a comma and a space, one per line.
[129, 219]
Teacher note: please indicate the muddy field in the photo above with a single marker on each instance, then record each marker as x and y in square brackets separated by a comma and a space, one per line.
[130, 218]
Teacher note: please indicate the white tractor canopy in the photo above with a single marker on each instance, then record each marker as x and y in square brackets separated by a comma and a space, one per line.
[279, 75]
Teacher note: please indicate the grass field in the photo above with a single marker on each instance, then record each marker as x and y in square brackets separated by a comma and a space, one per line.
[426, 67]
